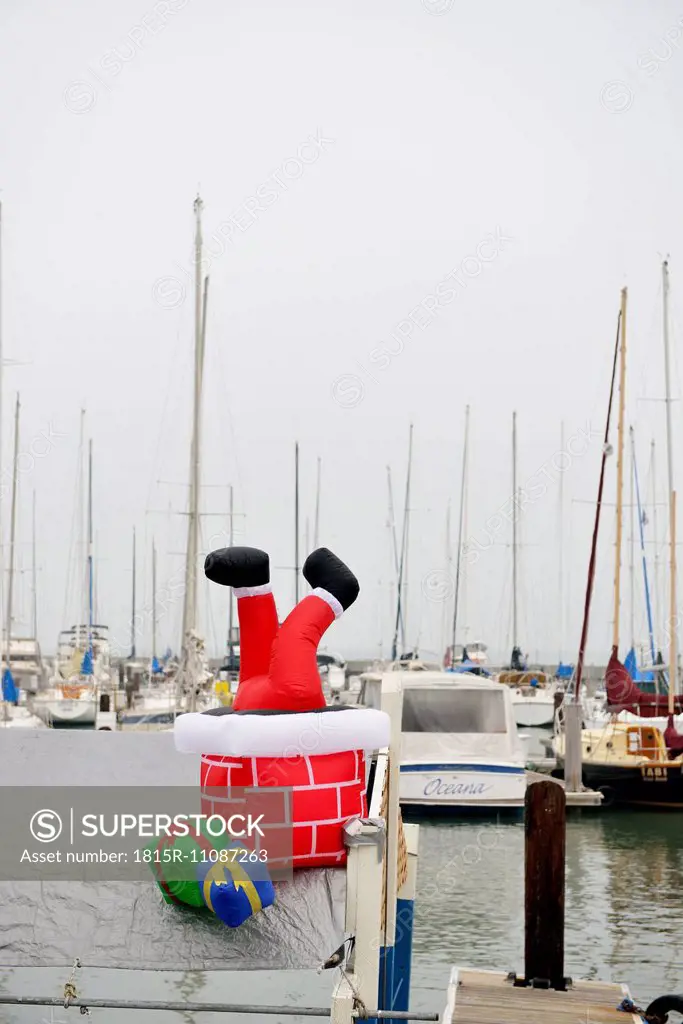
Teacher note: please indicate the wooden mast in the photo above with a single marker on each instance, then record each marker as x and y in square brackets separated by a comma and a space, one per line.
[620, 473]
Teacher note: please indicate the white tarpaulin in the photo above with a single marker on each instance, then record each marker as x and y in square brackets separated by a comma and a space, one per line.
[128, 925]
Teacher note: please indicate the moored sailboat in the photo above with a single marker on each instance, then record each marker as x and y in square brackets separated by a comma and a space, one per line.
[82, 667]
[632, 762]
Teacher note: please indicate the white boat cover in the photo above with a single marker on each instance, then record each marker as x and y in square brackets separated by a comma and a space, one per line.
[128, 925]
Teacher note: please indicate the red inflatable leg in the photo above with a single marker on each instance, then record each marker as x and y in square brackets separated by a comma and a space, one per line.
[258, 628]
[294, 676]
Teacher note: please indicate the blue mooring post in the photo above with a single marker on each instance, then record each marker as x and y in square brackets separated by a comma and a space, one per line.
[395, 961]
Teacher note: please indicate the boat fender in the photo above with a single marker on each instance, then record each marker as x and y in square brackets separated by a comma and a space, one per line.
[657, 1011]
[608, 795]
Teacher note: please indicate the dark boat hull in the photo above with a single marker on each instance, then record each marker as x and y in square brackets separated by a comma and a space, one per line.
[650, 785]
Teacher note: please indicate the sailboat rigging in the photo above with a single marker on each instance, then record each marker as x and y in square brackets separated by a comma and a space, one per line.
[630, 759]
[641, 525]
[622, 693]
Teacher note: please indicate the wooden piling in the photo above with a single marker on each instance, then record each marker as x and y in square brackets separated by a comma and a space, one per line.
[544, 826]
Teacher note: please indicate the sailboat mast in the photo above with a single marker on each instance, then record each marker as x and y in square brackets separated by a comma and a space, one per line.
[190, 602]
[667, 378]
[596, 527]
[12, 537]
[561, 549]
[1, 420]
[296, 523]
[154, 602]
[657, 598]
[90, 560]
[34, 570]
[316, 521]
[672, 494]
[394, 549]
[231, 535]
[514, 530]
[448, 568]
[406, 538]
[132, 615]
[620, 473]
[673, 653]
[458, 561]
[82, 540]
[631, 549]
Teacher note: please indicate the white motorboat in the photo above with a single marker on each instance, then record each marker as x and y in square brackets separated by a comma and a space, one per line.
[460, 751]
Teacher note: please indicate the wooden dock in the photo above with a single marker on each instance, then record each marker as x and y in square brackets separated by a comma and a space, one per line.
[496, 997]
[586, 798]
[491, 997]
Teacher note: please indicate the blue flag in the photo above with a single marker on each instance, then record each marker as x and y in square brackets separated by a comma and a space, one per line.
[9, 689]
[156, 667]
[86, 665]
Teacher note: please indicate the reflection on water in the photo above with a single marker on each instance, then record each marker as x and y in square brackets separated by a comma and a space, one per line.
[624, 910]
[624, 899]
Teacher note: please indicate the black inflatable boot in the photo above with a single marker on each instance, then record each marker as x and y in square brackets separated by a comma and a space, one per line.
[238, 567]
[323, 569]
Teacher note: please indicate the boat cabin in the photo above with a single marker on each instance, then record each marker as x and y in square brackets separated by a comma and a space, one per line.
[624, 742]
[526, 680]
[472, 717]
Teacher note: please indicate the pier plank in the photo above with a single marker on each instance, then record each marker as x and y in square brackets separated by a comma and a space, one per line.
[490, 997]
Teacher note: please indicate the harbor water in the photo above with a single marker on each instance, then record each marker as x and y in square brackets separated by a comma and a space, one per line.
[624, 922]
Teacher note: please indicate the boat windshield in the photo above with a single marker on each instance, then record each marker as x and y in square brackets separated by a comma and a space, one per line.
[453, 710]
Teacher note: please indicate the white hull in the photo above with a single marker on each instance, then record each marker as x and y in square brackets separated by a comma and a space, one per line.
[463, 786]
[64, 711]
[533, 712]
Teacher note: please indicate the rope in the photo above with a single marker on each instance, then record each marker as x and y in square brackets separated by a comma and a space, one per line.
[70, 990]
[628, 1006]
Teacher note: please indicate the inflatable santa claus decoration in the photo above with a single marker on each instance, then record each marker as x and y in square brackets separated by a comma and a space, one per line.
[279, 732]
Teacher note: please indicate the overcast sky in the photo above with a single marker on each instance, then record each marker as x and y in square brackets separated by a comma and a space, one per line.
[410, 205]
